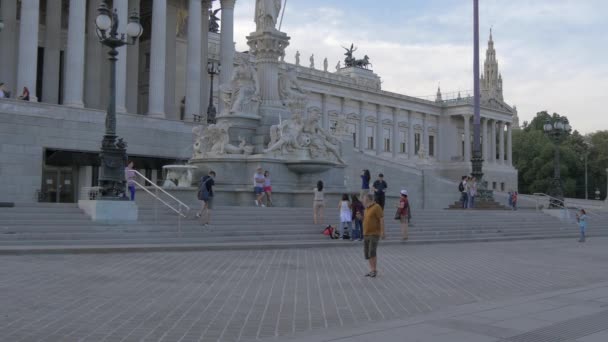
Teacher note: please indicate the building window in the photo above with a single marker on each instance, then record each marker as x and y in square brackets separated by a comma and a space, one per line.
[431, 146]
[416, 142]
[493, 185]
[502, 186]
[353, 130]
[462, 143]
[387, 139]
[369, 133]
[332, 125]
[402, 142]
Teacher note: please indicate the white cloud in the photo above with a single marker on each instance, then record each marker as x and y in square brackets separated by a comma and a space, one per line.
[540, 48]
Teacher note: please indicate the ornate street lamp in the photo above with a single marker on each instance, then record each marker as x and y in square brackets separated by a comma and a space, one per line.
[557, 130]
[213, 69]
[113, 153]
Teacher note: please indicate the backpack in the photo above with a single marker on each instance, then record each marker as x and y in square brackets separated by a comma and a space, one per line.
[461, 187]
[203, 192]
[331, 232]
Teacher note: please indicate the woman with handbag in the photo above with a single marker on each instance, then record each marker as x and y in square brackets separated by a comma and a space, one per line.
[402, 213]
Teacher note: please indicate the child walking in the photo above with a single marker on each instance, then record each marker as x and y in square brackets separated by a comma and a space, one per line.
[345, 215]
[581, 218]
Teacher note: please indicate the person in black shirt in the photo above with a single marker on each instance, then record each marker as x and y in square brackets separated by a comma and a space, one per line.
[380, 190]
[205, 194]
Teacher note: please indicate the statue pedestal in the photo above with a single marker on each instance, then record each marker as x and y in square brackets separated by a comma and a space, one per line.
[364, 77]
[110, 211]
[241, 126]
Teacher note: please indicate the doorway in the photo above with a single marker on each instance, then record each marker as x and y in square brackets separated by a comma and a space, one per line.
[57, 185]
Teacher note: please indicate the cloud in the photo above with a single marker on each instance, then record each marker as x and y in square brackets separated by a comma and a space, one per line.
[551, 52]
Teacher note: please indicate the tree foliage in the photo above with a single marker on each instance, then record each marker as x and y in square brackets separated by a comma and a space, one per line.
[534, 153]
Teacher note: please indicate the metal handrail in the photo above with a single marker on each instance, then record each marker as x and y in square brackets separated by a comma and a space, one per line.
[537, 195]
[158, 188]
[178, 211]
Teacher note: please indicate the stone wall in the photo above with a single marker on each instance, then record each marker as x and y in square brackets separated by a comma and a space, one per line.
[26, 129]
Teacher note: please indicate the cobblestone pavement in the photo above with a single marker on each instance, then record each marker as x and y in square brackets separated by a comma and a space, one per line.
[249, 295]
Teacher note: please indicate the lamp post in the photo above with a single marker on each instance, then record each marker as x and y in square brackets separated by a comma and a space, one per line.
[597, 193]
[113, 153]
[213, 69]
[557, 130]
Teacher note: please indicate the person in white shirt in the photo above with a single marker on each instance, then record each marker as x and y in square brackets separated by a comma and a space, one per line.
[258, 186]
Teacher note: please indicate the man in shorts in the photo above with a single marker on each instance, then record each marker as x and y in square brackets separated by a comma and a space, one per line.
[373, 231]
[258, 186]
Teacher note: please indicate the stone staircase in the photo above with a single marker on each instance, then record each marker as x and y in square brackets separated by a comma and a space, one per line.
[251, 227]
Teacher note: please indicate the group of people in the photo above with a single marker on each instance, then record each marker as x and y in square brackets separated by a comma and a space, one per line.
[5, 94]
[468, 191]
[262, 187]
[352, 210]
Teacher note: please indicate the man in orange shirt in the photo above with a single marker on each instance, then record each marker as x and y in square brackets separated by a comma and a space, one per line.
[373, 231]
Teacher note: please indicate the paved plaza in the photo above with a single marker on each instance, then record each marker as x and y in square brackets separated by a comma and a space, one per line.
[507, 291]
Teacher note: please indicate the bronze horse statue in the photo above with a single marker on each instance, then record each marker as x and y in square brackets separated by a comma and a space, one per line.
[351, 61]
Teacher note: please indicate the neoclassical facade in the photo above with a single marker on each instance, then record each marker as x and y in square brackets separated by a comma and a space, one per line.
[50, 47]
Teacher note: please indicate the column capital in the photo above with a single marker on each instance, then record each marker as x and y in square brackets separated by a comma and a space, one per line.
[467, 116]
[229, 4]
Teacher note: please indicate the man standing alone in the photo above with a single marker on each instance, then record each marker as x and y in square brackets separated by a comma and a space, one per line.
[380, 190]
[373, 231]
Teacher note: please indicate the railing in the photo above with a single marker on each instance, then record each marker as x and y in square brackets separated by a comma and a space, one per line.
[561, 204]
[179, 207]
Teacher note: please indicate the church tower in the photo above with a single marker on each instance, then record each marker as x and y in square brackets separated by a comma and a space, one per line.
[491, 79]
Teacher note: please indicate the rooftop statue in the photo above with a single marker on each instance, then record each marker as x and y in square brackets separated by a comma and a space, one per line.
[351, 61]
[213, 21]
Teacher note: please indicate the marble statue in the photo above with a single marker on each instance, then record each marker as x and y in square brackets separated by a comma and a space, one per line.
[284, 137]
[214, 139]
[242, 95]
[213, 21]
[297, 57]
[421, 152]
[312, 61]
[289, 87]
[321, 142]
[338, 66]
[266, 14]
[325, 64]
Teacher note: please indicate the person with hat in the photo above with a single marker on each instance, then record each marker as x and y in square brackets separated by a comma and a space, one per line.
[380, 190]
[403, 208]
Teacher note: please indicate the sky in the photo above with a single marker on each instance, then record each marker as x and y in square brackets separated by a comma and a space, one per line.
[552, 53]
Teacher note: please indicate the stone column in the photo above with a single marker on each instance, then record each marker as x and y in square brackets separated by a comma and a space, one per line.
[379, 136]
[193, 71]
[74, 72]
[484, 132]
[133, 71]
[96, 59]
[395, 143]
[227, 41]
[206, 4]
[52, 52]
[28, 48]
[121, 64]
[410, 136]
[8, 52]
[324, 114]
[493, 142]
[467, 137]
[156, 95]
[425, 135]
[501, 140]
[509, 144]
[171, 101]
[362, 138]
